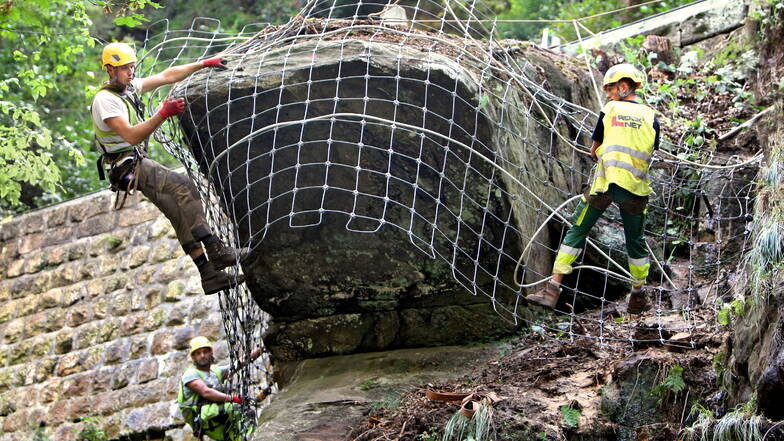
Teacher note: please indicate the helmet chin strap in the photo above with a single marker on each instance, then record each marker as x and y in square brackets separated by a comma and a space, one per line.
[623, 95]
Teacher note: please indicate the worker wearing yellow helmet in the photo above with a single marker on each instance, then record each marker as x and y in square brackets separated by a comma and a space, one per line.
[624, 140]
[204, 406]
[122, 132]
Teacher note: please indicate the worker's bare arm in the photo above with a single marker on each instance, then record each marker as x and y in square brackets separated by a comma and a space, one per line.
[170, 76]
[137, 133]
[208, 393]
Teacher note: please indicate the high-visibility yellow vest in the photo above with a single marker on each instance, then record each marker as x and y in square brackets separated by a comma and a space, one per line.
[189, 408]
[111, 142]
[627, 148]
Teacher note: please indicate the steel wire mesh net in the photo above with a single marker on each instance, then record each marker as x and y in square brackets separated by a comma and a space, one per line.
[413, 116]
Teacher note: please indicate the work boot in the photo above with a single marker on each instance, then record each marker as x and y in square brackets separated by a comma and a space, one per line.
[222, 256]
[213, 280]
[547, 296]
[638, 302]
[219, 254]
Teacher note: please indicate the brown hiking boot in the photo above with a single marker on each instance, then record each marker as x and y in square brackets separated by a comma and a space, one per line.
[638, 302]
[213, 280]
[222, 256]
[547, 296]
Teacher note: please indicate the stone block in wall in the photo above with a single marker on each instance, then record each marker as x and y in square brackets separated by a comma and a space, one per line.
[88, 209]
[156, 318]
[36, 262]
[178, 315]
[166, 251]
[132, 324]
[31, 242]
[15, 268]
[117, 352]
[110, 263]
[108, 330]
[55, 320]
[144, 213]
[121, 304]
[109, 402]
[211, 328]
[151, 416]
[78, 315]
[57, 255]
[86, 336]
[49, 392]
[63, 343]
[3, 355]
[102, 379]
[138, 256]
[160, 228]
[203, 306]
[51, 298]
[8, 310]
[9, 230]
[153, 297]
[42, 347]
[28, 305]
[101, 224]
[124, 376]
[10, 377]
[32, 223]
[74, 293]
[57, 216]
[14, 331]
[93, 357]
[174, 291]
[61, 236]
[139, 346]
[5, 289]
[38, 371]
[77, 250]
[162, 341]
[147, 370]
[102, 306]
[77, 385]
[70, 363]
[174, 364]
[20, 352]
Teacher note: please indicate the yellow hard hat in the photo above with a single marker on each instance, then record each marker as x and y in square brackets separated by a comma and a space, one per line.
[624, 70]
[198, 343]
[118, 54]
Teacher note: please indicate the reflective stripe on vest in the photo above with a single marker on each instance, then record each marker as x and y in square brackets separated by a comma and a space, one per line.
[627, 148]
[109, 140]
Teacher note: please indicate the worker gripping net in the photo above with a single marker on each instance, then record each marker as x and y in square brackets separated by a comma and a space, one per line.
[415, 116]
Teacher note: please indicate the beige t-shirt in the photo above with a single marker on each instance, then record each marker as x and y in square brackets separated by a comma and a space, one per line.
[108, 105]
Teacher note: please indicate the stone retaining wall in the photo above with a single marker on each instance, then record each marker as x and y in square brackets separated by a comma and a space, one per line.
[96, 309]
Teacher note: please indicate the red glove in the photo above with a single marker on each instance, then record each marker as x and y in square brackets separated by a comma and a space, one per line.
[215, 62]
[172, 107]
[235, 399]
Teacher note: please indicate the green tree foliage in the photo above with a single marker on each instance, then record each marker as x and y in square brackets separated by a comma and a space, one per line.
[48, 68]
[571, 10]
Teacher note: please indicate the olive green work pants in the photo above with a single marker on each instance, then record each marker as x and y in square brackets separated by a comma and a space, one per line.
[177, 198]
[588, 211]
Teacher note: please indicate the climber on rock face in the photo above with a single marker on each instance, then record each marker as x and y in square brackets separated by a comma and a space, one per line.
[204, 407]
[623, 143]
[122, 134]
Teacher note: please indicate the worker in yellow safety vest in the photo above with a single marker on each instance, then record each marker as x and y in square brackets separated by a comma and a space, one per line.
[205, 408]
[122, 134]
[624, 139]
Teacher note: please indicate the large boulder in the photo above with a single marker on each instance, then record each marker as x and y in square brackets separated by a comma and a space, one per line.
[387, 186]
